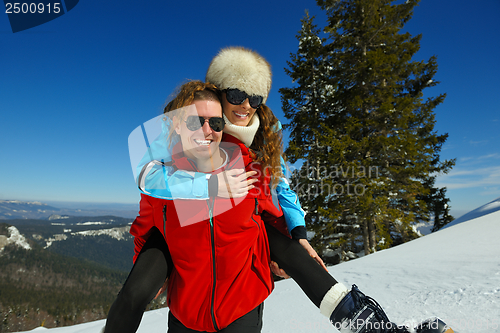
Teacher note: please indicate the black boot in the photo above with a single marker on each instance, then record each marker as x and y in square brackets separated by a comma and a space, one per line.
[358, 313]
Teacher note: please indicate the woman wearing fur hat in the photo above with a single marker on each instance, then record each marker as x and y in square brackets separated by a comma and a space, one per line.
[244, 77]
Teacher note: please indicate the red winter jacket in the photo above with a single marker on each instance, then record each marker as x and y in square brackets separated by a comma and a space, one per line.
[219, 247]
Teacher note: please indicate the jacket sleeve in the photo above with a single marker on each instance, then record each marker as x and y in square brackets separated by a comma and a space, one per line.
[158, 180]
[141, 227]
[289, 202]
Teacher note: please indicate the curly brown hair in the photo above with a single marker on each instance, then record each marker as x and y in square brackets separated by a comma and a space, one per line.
[193, 91]
[268, 143]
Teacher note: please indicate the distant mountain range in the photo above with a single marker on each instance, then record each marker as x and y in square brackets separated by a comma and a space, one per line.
[14, 209]
[101, 239]
[95, 232]
[60, 270]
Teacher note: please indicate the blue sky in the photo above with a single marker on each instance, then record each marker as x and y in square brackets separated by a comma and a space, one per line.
[73, 89]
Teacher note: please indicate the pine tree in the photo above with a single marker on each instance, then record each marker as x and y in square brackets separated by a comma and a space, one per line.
[359, 121]
[304, 103]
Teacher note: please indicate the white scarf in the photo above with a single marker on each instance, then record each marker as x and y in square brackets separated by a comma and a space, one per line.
[243, 133]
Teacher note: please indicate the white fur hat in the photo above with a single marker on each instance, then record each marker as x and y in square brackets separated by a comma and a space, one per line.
[240, 68]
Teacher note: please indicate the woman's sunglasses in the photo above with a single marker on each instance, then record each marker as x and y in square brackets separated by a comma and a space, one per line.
[236, 97]
[194, 123]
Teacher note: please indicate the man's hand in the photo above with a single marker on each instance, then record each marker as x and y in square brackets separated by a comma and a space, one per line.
[235, 183]
[278, 271]
[162, 289]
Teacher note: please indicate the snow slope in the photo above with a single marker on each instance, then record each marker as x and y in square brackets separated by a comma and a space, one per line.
[489, 208]
[453, 273]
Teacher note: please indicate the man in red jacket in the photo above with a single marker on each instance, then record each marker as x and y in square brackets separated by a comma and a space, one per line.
[218, 246]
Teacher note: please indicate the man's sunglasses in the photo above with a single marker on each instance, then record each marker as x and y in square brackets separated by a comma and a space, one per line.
[236, 97]
[194, 123]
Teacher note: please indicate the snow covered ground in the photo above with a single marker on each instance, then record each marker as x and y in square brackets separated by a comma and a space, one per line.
[453, 273]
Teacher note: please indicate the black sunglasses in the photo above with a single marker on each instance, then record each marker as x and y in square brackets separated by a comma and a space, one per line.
[194, 123]
[236, 97]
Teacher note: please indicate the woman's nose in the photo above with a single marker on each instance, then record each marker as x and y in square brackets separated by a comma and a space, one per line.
[246, 104]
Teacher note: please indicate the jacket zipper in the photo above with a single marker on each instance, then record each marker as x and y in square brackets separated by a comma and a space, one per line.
[164, 220]
[212, 236]
[256, 211]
